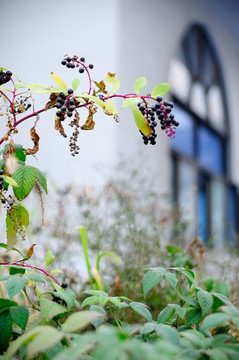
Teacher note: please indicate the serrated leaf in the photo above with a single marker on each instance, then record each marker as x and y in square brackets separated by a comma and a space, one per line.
[59, 81]
[9, 180]
[49, 257]
[171, 279]
[214, 320]
[221, 297]
[151, 279]
[19, 315]
[168, 333]
[160, 90]
[190, 301]
[68, 296]
[43, 341]
[25, 178]
[139, 84]
[5, 303]
[41, 179]
[109, 108]
[165, 314]
[5, 330]
[50, 309]
[90, 300]
[35, 277]
[141, 310]
[205, 300]
[17, 218]
[112, 81]
[216, 354]
[114, 301]
[147, 328]
[179, 310]
[79, 321]
[130, 102]
[141, 122]
[194, 316]
[75, 83]
[15, 284]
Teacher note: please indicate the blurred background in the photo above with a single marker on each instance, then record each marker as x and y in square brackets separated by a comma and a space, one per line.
[192, 44]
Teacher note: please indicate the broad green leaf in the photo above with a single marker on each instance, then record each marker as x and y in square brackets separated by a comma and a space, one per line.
[190, 301]
[41, 179]
[205, 300]
[59, 81]
[151, 278]
[90, 300]
[44, 341]
[168, 333]
[139, 84]
[6, 304]
[178, 309]
[68, 296]
[19, 315]
[216, 354]
[35, 277]
[114, 301]
[130, 101]
[24, 340]
[221, 297]
[49, 257]
[141, 122]
[5, 330]
[112, 81]
[75, 352]
[16, 270]
[17, 218]
[194, 316]
[96, 292]
[165, 314]
[79, 321]
[75, 83]
[97, 322]
[25, 178]
[171, 279]
[141, 310]
[109, 108]
[160, 90]
[214, 320]
[50, 309]
[147, 328]
[9, 180]
[15, 284]
[194, 337]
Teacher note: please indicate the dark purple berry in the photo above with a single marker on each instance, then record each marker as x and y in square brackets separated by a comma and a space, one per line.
[63, 62]
[62, 95]
[71, 108]
[168, 109]
[81, 70]
[68, 65]
[64, 285]
[82, 59]
[69, 114]
[159, 99]
[60, 100]
[1, 172]
[91, 66]
[58, 105]
[70, 91]
[141, 108]
[68, 59]
[8, 73]
[72, 101]
[63, 108]
[58, 113]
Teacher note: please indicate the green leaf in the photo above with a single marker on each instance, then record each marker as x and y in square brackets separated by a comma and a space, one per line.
[97, 322]
[5, 303]
[114, 301]
[130, 101]
[79, 321]
[150, 279]
[49, 257]
[165, 314]
[90, 300]
[139, 84]
[179, 310]
[109, 108]
[68, 296]
[205, 300]
[9, 180]
[44, 341]
[16, 270]
[25, 178]
[190, 301]
[59, 81]
[54, 271]
[95, 99]
[41, 179]
[35, 277]
[214, 320]
[194, 316]
[160, 90]
[75, 83]
[168, 333]
[19, 315]
[216, 354]
[171, 279]
[15, 284]
[141, 310]
[112, 81]
[17, 218]
[221, 297]
[5, 330]
[50, 309]
[141, 122]
[148, 328]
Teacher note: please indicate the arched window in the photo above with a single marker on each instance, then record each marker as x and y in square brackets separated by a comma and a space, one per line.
[200, 152]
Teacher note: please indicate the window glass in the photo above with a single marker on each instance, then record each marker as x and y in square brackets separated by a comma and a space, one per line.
[231, 214]
[180, 79]
[217, 200]
[210, 150]
[215, 107]
[197, 100]
[202, 208]
[184, 140]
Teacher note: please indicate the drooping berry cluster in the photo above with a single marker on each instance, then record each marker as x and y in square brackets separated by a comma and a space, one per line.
[65, 104]
[73, 62]
[74, 148]
[162, 112]
[5, 76]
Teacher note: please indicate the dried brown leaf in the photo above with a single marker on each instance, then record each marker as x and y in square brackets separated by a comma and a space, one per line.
[59, 127]
[89, 124]
[35, 138]
[101, 86]
[52, 102]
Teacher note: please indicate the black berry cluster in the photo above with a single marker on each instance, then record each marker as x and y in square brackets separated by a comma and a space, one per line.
[65, 104]
[160, 112]
[1, 179]
[6, 200]
[58, 300]
[5, 76]
[76, 62]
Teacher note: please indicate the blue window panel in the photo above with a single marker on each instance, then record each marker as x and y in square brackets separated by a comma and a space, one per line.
[231, 214]
[202, 209]
[218, 212]
[184, 141]
[210, 150]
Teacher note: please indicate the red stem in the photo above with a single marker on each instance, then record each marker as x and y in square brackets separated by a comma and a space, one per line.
[31, 267]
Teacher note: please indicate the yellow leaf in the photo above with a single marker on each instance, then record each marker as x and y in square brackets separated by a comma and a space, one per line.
[112, 81]
[141, 122]
[109, 108]
[59, 81]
